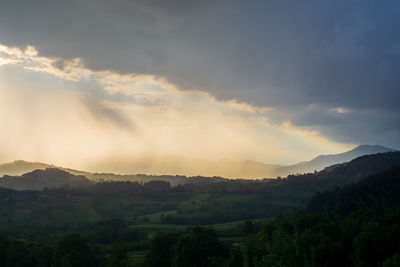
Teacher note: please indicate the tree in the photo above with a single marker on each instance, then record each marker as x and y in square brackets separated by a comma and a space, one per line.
[200, 248]
[72, 250]
[161, 249]
[18, 254]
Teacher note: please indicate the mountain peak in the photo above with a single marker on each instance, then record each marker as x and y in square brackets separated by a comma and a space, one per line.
[322, 161]
[19, 167]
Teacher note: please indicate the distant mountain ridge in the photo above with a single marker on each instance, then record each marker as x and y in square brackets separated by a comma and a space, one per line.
[323, 161]
[176, 165]
[361, 167]
[40, 179]
[19, 167]
[181, 165]
[246, 169]
[331, 177]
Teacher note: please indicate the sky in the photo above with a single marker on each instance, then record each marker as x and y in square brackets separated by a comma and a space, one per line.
[273, 81]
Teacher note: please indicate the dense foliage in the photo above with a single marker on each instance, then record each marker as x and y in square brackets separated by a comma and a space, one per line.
[200, 247]
[154, 224]
[358, 225]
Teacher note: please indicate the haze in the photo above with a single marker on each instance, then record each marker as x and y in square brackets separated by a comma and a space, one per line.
[91, 84]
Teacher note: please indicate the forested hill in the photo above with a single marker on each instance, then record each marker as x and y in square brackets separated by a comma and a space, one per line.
[341, 174]
[358, 225]
[378, 191]
[323, 161]
[367, 164]
[40, 179]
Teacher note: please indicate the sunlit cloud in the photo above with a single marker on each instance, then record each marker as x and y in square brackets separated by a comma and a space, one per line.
[341, 110]
[62, 112]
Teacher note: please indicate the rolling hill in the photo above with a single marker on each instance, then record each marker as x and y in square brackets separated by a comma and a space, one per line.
[40, 179]
[323, 161]
[183, 166]
[20, 167]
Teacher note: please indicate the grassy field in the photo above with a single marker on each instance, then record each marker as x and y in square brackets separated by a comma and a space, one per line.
[181, 208]
[227, 231]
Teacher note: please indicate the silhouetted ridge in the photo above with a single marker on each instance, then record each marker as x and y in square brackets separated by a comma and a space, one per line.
[365, 165]
[195, 167]
[20, 167]
[381, 189]
[323, 161]
[40, 179]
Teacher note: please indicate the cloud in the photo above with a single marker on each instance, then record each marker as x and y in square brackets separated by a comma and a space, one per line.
[68, 114]
[282, 54]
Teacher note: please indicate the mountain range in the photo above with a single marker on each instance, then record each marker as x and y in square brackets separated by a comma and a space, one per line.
[324, 161]
[330, 177]
[177, 165]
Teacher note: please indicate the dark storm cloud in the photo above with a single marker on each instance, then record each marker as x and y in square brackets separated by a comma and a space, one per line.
[284, 54]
